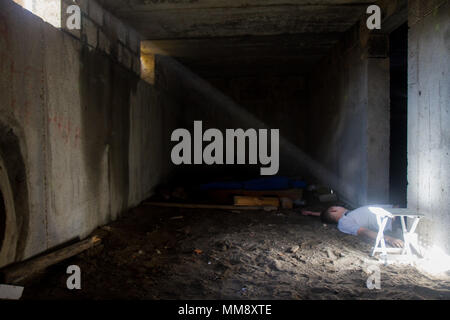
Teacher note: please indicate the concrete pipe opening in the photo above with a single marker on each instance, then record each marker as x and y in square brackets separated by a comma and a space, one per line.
[8, 226]
[2, 219]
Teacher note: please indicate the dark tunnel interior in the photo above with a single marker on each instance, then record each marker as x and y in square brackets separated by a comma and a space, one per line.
[225, 150]
[2, 219]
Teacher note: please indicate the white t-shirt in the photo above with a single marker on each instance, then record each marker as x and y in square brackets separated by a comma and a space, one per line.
[362, 217]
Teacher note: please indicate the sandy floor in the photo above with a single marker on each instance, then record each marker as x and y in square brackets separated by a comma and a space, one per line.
[153, 253]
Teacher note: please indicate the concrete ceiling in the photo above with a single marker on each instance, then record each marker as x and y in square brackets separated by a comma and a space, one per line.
[241, 37]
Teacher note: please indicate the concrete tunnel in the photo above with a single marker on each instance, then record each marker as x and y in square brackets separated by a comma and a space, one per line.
[87, 114]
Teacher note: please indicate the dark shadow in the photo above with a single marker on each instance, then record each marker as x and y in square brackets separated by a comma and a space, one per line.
[2, 219]
[106, 88]
[399, 115]
[13, 159]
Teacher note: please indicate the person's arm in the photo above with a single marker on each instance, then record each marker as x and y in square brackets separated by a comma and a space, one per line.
[366, 233]
[310, 213]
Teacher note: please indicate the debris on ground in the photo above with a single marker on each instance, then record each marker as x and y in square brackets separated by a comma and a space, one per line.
[260, 263]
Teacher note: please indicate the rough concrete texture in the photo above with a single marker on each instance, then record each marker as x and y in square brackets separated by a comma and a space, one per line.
[99, 28]
[208, 19]
[241, 38]
[429, 119]
[247, 38]
[81, 136]
[102, 30]
[348, 121]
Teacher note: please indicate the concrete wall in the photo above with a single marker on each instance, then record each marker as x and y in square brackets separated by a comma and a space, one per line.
[81, 134]
[103, 31]
[348, 118]
[99, 28]
[429, 119]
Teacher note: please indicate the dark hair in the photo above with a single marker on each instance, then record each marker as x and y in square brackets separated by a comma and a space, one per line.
[326, 217]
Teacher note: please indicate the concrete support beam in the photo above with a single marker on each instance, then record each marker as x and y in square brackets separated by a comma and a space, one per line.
[429, 118]
[349, 96]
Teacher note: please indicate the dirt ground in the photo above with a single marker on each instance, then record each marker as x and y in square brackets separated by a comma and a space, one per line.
[163, 253]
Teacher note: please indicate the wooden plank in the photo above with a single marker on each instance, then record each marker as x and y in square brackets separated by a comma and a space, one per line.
[207, 206]
[287, 203]
[256, 201]
[18, 272]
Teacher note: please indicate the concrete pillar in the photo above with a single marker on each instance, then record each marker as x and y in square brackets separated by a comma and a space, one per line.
[349, 102]
[429, 118]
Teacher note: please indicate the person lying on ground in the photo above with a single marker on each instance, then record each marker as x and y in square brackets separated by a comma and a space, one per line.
[359, 222]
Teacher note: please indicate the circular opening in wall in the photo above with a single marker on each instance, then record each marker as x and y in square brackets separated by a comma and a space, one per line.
[2, 219]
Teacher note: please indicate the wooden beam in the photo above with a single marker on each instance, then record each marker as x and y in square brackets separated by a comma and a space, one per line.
[247, 201]
[21, 271]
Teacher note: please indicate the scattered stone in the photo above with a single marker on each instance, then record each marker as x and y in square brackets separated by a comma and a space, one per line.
[331, 255]
[277, 265]
[294, 249]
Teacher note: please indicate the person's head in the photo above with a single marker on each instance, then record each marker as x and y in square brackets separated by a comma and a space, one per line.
[332, 214]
